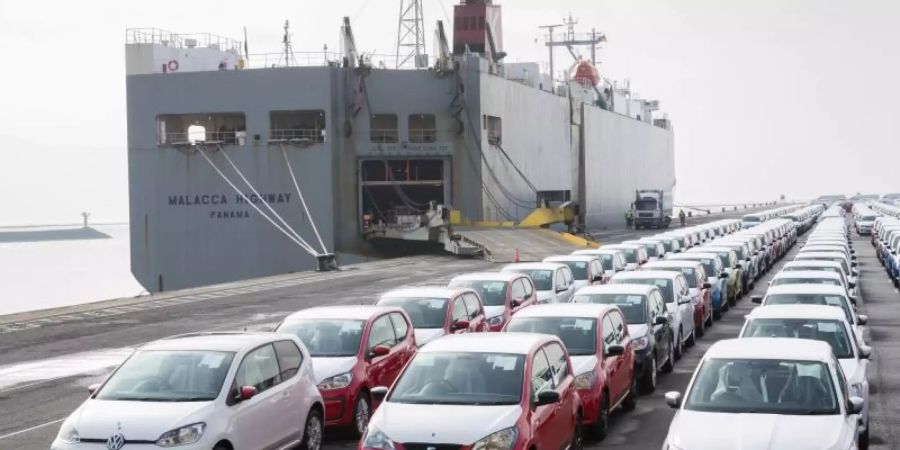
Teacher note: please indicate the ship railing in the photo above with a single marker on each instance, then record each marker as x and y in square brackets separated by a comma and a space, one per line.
[384, 136]
[316, 58]
[423, 136]
[209, 137]
[297, 135]
[181, 40]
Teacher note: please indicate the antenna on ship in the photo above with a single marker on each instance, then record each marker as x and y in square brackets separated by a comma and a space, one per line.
[288, 51]
[411, 35]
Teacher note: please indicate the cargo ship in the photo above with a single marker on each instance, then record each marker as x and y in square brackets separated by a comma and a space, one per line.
[246, 165]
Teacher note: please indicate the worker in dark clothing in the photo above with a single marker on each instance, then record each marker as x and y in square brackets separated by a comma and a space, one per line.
[682, 216]
[629, 217]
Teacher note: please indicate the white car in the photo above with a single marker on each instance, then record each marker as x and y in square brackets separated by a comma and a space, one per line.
[635, 255]
[586, 269]
[613, 260]
[825, 266]
[815, 294]
[764, 393]
[825, 324]
[812, 277]
[203, 391]
[679, 302]
[553, 282]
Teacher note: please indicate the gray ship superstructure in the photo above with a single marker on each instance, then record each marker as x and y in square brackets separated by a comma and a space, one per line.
[238, 171]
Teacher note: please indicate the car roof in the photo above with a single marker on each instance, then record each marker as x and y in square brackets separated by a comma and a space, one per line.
[818, 312]
[351, 312]
[807, 289]
[565, 310]
[647, 274]
[812, 263]
[512, 343]
[561, 258]
[673, 263]
[818, 254]
[807, 274]
[692, 255]
[424, 291]
[215, 341]
[597, 251]
[488, 276]
[624, 246]
[771, 348]
[533, 266]
[628, 289]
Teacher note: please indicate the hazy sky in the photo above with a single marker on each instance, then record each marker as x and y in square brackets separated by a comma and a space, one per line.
[767, 96]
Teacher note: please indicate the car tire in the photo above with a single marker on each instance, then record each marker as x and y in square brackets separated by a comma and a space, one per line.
[362, 412]
[630, 402]
[578, 434]
[669, 366]
[692, 339]
[699, 331]
[600, 428]
[679, 346]
[312, 431]
[648, 380]
[863, 442]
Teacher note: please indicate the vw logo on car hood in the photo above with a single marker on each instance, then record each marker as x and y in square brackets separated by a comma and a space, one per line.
[115, 442]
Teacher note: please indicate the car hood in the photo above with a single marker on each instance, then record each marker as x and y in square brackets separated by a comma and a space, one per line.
[328, 367]
[493, 311]
[545, 296]
[631, 266]
[426, 335]
[715, 431]
[142, 421]
[637, 331]
[445, 424]
[583, 363]
[854, 369]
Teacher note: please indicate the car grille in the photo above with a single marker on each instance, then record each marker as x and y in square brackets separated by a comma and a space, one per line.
[432, 446]
[645, 214]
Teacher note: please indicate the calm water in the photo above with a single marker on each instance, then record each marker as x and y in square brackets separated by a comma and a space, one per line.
[58, 266]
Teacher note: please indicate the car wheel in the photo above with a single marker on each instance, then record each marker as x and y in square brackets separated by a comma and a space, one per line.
[362, 411]
[699, 330]
[679, 346]
[692, 339]
[863, 442]
[630, 402]
[601, 425]
[669, 366]
[577, 434]
[717, 315]
[648, 381]
[312, 432]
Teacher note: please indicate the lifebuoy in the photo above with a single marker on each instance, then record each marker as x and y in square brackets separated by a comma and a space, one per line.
[172, 65]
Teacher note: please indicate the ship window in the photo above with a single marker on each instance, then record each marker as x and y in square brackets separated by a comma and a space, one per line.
[383, 128]
[422, 128]
[494, 127]
[209, 128]
[297, 126]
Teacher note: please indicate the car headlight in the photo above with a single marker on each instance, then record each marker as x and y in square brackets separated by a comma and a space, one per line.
[376, 439]
[585, 380]
[501, 440]
[494, 321]
[856, 390]
[336, 382]
[182, 436]
[68, 433]
[640, 343]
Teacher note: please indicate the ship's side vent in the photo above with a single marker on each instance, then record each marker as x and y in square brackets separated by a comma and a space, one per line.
[494, 127]
[383, 128]
[210, 128]
[297, 127]
[422, 128]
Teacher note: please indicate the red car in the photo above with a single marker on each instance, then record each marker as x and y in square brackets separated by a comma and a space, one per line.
[699, 288]
[436, 311]
[353, 349]
[597, 340]
[502, 294]
[481, 391]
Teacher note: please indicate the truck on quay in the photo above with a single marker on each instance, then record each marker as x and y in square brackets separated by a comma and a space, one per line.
[652, 208]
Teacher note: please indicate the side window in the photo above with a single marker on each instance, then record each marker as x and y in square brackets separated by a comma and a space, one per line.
[289, 358]
[557, 357]
[401, 328]
[609, 332]
[619, 325]
[518, 289]
[459, 310]
[259, 369]
[529, 287]
[382, 333]
[541, 375]
[472, 305]
[658, 308]
[596, 268]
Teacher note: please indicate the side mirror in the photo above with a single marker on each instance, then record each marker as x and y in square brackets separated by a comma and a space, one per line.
[516, 302]
[379, 350]
[615, 350]
[854, 263]
[460, 324]
[660, 320]
[855, 405]
[643, 262]
[547, 398]
[92, 389]
[561, 290]
[723, 275]
[379, 393]
[707, 285]
[738, 266]
[852, 284]
[865, 352]
[597, 278]
[853, 300]
[757, 299]
[673, 399]
[247, 392]
[862, 319]
[853, 257]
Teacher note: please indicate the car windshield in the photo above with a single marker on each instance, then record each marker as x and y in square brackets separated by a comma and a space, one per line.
[492, 293]
[667, 245]
[762, 386]
[451, 378]
[543, 279]
[632, 305]
[579, 269]
[829, 331]
[825, 281]
[827, 269]
[750, 219]
[664, 285]
[869, 218]
[606, 261]
[579, 334]
[424, 312]
[630, 255]
[810, 299]
[327, 337]
[169, 376]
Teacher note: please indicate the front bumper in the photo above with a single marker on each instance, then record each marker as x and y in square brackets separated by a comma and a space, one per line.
[338, 407]
[590, 402]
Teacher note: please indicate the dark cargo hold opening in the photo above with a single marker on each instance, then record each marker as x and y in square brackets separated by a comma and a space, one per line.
[392, 188]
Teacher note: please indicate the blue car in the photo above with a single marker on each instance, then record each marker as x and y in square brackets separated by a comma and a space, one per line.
[715, 273]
